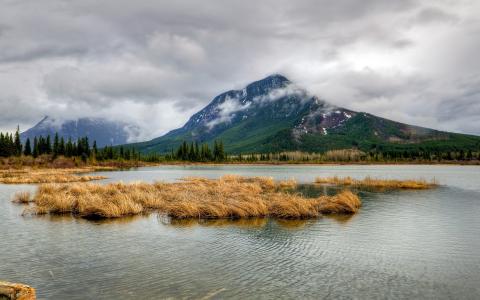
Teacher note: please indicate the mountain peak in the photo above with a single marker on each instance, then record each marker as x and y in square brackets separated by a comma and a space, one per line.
[103, 131]
[274, 115]
[276, 80]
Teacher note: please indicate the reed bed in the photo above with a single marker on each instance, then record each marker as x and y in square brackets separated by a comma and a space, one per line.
[369, 182]
[27, 176]
[227, 197]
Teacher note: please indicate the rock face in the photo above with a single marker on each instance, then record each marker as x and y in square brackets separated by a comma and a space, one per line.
[103, 131]
[16, 291]
[274, 114]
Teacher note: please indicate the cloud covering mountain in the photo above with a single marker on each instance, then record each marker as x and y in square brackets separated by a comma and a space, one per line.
[155, 63]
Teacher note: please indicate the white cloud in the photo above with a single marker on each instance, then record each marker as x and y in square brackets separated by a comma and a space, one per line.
[275, 94]
[227, 111]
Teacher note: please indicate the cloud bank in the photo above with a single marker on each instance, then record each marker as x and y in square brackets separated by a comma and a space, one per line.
[154, 63]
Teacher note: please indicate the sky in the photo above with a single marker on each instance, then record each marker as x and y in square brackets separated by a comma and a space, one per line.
[155, 63]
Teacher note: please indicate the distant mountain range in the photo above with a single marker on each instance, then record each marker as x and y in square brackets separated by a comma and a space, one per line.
[103, 131]
[273, 114]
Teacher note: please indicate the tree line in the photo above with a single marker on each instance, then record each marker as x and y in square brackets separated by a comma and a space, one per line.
[196, 152]
[349, 155]
[11, 145]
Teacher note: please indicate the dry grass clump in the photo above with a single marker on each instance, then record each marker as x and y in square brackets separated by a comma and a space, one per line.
[369, 182]
[26, 176]
[16, 291]
[227, 197]
[22, 197]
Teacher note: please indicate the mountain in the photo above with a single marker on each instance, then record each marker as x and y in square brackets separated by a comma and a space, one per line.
[273, 114]
[96, 129]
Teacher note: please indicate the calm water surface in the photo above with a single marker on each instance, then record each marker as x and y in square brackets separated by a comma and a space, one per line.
[404, 244]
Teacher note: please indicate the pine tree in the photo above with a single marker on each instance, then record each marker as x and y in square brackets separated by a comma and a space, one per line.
[18, 144]
[94, 148]
[2, 145]
[35, 147]
[197, 152]
[469, 155]
[69, 148]
[56, 145]
[48, 145]
[191, 153]
[221, 151]
[215, 150]
[61, 146]
[28, 148]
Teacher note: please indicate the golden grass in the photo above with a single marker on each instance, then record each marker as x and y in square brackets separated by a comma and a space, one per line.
[26, 176]
[16, 291]
[369, 182]
[22, 197]
[227, 197]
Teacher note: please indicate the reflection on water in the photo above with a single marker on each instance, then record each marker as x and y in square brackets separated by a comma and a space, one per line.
[402, 244]
[341, 219]
[246, 223]
[241, 223]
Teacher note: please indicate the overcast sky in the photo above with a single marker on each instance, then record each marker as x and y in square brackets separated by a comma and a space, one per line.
[155, 63]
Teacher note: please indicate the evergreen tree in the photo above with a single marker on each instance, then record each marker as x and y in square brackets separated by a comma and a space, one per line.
[94, 148]
[69, 151]
[221, 151]
[35, 147]
[191, 153]
[197, 152]
[61, 146]
[56, 145]
[48, 145]
[215, 150]
[28, 148]
[18, 144]
[469, 155]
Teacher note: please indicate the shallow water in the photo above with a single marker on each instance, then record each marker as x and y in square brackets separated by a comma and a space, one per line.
[403, 244]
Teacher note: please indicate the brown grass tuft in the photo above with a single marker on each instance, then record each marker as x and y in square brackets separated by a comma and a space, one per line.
[26, 176]
[17, 291]
[228, 197]
[369, 182]
[22, 197]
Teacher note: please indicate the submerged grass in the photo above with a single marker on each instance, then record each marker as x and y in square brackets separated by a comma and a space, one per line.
[26, 176]
[369, 182]
[227, 197]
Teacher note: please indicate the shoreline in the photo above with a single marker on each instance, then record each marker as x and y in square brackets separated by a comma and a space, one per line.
[302, 164]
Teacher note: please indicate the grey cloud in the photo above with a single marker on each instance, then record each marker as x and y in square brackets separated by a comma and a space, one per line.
[434, 14]
[163, 60]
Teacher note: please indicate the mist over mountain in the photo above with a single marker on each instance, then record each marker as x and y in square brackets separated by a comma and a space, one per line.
[274, 114]
[103, 131]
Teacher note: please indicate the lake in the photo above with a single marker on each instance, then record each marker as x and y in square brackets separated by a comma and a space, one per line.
[402, 244]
